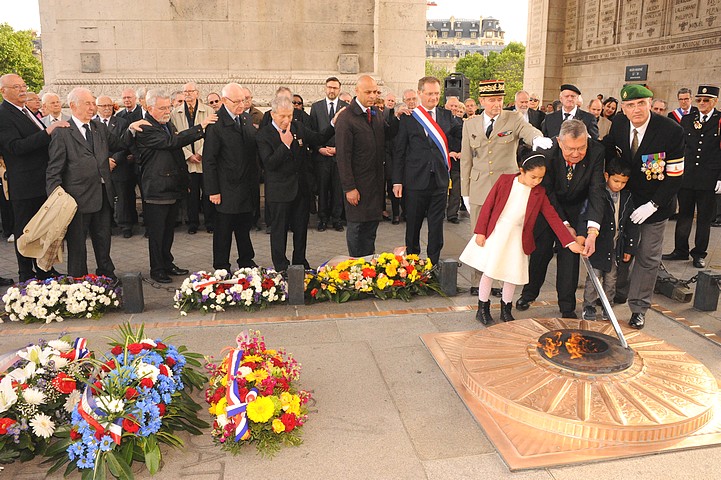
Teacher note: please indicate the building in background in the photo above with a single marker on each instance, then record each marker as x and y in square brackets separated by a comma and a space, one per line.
[449, 39]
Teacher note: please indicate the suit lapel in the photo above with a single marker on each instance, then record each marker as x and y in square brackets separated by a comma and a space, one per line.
[21, 116]
[75, 132]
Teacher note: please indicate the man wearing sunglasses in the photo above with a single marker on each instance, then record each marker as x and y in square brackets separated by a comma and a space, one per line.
[701, 178]
[213, 99]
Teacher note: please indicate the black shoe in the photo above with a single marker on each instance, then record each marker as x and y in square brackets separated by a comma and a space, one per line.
[43, 275]
[589, 313]
[619, 300]
[638, 320]
[716, 223]
[192, 230]
[396, 220]
[497, 292]
[483, 314]
[454, 220]
[570, 314]
[699, 262]
[6, 282]
[522, 304]
[322, 226]
[211, 229]
[267, 229]
[161, 277]
[474, 291]
[674, 256]
[506, 315]
[178, 271]
[386, 218]
[127, 233]
[338, 227]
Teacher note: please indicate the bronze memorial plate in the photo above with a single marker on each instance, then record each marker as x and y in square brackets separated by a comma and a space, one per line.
[558, 391]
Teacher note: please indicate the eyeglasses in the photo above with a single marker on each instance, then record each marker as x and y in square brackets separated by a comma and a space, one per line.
[17, 87]
[234, 102]
[213, 102]
[108, 105]
[581, 149]
[297, 103]
[703, 100]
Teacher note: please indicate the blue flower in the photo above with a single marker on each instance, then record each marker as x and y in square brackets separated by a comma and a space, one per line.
[86, 462]
[75, 450]
[106, 443]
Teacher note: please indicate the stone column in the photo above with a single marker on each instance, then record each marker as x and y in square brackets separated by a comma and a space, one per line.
[544, 47]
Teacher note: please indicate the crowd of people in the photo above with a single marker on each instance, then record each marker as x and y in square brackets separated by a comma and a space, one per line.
[576, 179]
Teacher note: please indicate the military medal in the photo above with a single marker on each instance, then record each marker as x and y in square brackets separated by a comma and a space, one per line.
[653, 165]
[697, 125]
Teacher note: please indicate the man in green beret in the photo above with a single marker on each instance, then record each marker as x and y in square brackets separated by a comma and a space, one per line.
[653, 145]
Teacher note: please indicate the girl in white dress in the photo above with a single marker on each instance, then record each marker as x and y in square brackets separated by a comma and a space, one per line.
[504, 233]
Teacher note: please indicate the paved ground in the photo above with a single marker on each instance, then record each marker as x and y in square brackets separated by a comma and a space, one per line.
[383, 409]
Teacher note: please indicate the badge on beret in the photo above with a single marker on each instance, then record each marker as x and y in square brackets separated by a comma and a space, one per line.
[625, 94]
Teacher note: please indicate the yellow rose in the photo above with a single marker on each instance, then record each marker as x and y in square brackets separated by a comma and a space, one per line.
[260, 410]
[294, 406]
[278, 426]
[285, 399]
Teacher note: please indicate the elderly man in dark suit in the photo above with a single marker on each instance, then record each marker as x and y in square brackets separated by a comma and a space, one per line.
[231, 177]
[330, 194]
[24, 144]
[360, 143]
[654, 147]
[574, 176]
[421, 166]
[569, 110]
[164, 179]
[80, 163]
[284, 149]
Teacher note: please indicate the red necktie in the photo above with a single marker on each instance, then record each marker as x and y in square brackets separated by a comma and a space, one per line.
[368, 111]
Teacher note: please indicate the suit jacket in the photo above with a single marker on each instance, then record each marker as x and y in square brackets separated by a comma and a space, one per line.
[360, 153]
[24, 147]
[587, 184]
[537, 203]
[164, 172]
[674, 114]
[298, 116]
[702, 166]
[124, 169]
[47, 119]
[180, 120]
[552, 123]
[535, 117]
[134, 116]
[663, 135]
[288, 171]
[319, 121]
[80, 170]
[484, 159]
[416, 158]
[231, 166]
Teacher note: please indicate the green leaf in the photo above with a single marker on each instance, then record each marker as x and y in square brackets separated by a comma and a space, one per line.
[119, 467]
[152, 456]
[99, 471]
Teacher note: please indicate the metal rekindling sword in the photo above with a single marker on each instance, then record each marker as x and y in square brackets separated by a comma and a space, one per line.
[604, 301]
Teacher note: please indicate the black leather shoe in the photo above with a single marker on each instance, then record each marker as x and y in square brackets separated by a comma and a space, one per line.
[338, 227]
[178, 271]
[161, 278]
[211, 229]
[396, 220]
[127, 233]
[497, 292]
[322, 226]
[716, 223]
[699, 262]
[506, 315]
[454, 220]
[570, 314]
[474, 291]
[192, 230]
[638, 320]
[483, 314]
[674, 256]
[619, 300]
[522, 304]
[6, 282]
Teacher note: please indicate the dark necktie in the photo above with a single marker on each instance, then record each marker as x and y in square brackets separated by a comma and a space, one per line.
[88, 136]
[237, 121]
[704, 118]
[490, 128]
[368, 112]
[565, 116]
[569, 171]
[167, 129]
[331, 112]
[432, 114]
[31, 117]
[106, 122]
[634, 142]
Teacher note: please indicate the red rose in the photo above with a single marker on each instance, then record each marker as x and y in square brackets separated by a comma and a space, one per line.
[220, 393]
[251, 365]
[130, 393]
[130, 425]
[283, 384]
[164, 370]
[6, 423]
[161, 407]
[314, 292]
[288, 420]
[161, 346]
[96, 387]
[63, 383]
[109, 365]
[242, 393]
[135, 348]
[244, 283]
[99, 433]
[146, 382]
[74, 435]
[170, 361]
[117, 350]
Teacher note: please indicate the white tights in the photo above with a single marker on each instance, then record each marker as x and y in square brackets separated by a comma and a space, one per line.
[484, 289]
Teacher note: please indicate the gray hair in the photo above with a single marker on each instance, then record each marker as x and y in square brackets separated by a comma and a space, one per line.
[281, 102]
[46, 97]
[141, 92]
[655, 100]
[683, 90]
[520, 92]
[573, 129]
[227, 88]
[74, 95]
[410, 90]
[153, 95]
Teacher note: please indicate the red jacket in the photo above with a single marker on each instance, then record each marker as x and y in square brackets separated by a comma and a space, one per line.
[537, 203]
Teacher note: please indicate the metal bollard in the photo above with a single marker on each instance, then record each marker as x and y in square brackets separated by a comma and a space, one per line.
[132, 293]
[296, 285]
[707, 291]
[448, 276]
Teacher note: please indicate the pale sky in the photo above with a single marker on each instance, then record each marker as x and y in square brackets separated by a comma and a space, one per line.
[513, 14]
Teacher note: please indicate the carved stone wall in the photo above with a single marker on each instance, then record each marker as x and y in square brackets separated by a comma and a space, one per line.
[106, 45]
[679, 40]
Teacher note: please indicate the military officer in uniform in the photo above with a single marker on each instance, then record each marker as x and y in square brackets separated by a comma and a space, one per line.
[488, 149]
[701, 178]
[654, 147]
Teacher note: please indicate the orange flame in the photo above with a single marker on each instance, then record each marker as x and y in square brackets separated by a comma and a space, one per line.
[577, 345]
[552, 345]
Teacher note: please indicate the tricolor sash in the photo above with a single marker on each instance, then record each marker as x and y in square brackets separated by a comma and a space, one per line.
[678, 114]
[434, 131]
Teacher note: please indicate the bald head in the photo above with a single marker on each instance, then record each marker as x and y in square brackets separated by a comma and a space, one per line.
[233, 97]
[366, 90]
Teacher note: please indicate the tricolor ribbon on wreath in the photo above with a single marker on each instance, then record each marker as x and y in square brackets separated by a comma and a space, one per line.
[92, 414]
[434, 131]
[201, 286]
[79, 350]
[235, 406]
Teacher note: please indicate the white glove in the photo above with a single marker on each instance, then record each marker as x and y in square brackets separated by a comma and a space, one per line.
[643, 212]
[542, 142]
[467, 203]
[718, 187]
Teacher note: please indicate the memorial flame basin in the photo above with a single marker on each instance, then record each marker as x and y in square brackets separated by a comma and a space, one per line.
[652, 392]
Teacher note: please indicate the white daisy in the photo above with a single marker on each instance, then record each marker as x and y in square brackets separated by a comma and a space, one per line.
[110, 404]
[42, 425]
[72, 400]
[33, 396]
[60, 345]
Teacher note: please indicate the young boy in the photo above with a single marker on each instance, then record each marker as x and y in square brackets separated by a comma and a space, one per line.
[617, 237]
